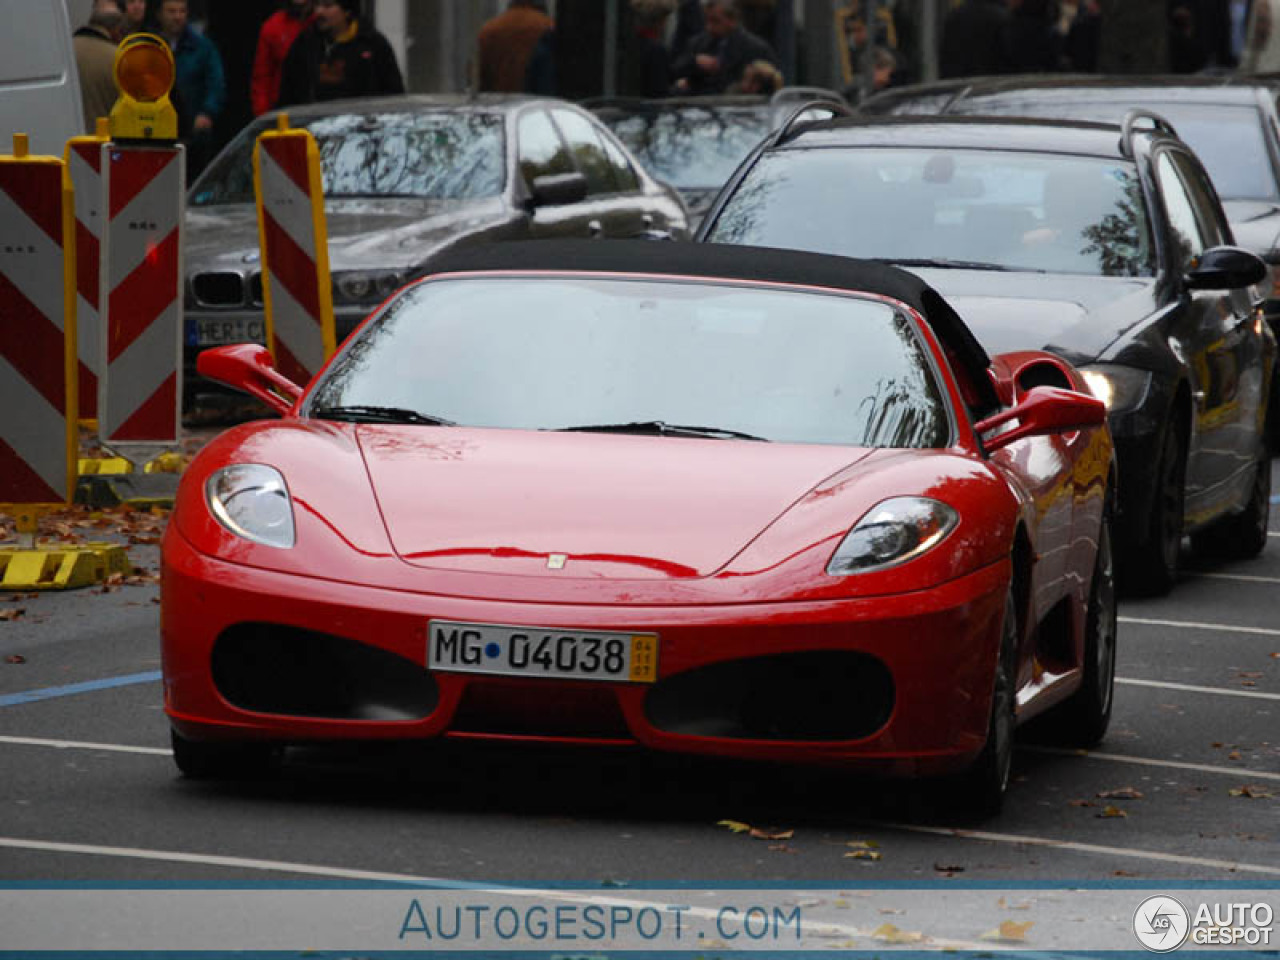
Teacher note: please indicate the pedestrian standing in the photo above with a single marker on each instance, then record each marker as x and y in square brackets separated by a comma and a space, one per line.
[717, 57]
[973, 39]
[338, 57]
[507, 42]
[275, 39]
[199, 83]
[646, 62]
[137, 18]
[95, 47]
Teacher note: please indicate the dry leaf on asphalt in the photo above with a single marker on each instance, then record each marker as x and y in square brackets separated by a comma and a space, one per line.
[772, 835]
[1009, 930]
[737, 826]
[13, 613]
[1123, 873]
[15, 658]
[1109, 811]
[864, 855]
[1124, 793]
[1251, 792]
[862, 845]
[948, 868]
[890, 934]
[1082, 803]
[1234, 755]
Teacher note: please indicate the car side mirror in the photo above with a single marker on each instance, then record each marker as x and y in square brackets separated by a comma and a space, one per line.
[1224, 268]
[248, 367]
[1044, 411]
[557, 190]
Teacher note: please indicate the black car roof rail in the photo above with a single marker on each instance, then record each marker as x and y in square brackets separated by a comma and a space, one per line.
[1130, 124]
[836, 109]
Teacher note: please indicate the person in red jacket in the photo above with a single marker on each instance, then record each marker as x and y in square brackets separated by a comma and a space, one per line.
[277, 36]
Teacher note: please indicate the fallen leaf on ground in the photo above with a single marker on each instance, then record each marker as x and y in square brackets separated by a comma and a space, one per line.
[1124, 793]
[737, 826]
[1082, 803]
[1009, 930]
[1122, 873]
[1234, 755]
[864, 855]
[862, 845]
[772, 835]
[13, 613]
[892, 911]
[1251, 792]
[1110, 811]
[948, 868]
[1250, 674]
[780, 848]
[891, 934]
[15, 658]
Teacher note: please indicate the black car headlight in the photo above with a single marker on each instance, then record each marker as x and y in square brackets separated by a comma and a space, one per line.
[252, 501]
[893, 532]
[1120, 388]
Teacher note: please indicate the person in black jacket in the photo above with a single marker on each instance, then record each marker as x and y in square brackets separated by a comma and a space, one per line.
[973, 39]
[646, 64]
[338, 57]
[717, 57]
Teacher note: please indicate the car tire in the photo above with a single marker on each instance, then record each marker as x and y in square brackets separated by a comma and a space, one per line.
[1082, 720]
[1151, 565]
[1243, 535]
[982, 787]
[199, 760]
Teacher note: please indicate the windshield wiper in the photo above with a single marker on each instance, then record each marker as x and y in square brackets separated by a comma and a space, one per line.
[663, 429]
[945, 264]
[367, 414]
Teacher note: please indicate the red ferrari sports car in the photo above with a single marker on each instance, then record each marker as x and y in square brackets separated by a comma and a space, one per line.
[709, 499]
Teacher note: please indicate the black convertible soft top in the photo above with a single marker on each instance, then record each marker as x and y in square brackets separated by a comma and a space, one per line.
[734, 262]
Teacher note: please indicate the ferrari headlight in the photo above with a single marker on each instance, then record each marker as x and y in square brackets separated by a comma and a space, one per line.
[1120, 388]
[252, 501]
[893, 532]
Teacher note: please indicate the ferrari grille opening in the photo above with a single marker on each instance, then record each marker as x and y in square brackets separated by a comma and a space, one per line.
[820, 696]
[269, 668]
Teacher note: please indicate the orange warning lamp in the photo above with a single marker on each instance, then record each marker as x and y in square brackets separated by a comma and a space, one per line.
[144, 74]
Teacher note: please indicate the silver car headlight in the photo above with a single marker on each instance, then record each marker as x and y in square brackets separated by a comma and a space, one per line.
[893, 532]
[1120, 388]
[366, 286]
[252, 501]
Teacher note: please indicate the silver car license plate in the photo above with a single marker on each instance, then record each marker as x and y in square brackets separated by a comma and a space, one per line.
[216, 331]
[541, 652]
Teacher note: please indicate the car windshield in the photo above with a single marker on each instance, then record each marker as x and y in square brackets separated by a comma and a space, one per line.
[644, 356]
[996, 209]
[691, 147]
[441, 155]
[1229, 140]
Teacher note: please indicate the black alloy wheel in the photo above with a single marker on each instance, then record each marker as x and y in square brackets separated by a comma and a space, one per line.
[982, 787]
[1151, 567]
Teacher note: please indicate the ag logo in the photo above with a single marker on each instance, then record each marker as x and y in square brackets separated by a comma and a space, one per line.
[1161, 924]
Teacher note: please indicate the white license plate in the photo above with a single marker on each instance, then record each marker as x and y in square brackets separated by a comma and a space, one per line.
[541, 652]
[216, 331]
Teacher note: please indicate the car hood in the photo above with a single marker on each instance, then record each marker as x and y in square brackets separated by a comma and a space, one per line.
[363, 233]
[618, 507]
[1073, 316]
[1255, 224]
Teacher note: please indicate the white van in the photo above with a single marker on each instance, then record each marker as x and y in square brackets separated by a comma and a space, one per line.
[39, 86]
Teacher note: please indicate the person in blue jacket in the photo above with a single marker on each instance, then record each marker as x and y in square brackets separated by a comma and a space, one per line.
[200, 89]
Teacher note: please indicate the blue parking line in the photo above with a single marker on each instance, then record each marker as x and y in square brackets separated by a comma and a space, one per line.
[48, 693]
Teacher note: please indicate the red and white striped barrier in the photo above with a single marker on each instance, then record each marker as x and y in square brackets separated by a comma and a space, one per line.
[38, 439]
[140, 396]
[84, 162]
[296, 288]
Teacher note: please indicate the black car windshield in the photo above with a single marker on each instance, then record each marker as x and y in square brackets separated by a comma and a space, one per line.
[683, 358]
[691, 147]
[1004, 210]
[441, 155]
[1228, 140]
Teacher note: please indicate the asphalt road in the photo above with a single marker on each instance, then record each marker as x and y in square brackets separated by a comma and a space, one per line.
[89, 793]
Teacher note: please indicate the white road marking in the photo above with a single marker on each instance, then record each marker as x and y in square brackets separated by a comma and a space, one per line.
[1190, 688]
[1243, 774]
[80, 745]
[1093, 848]
[1243, 577]
[1188, 625]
